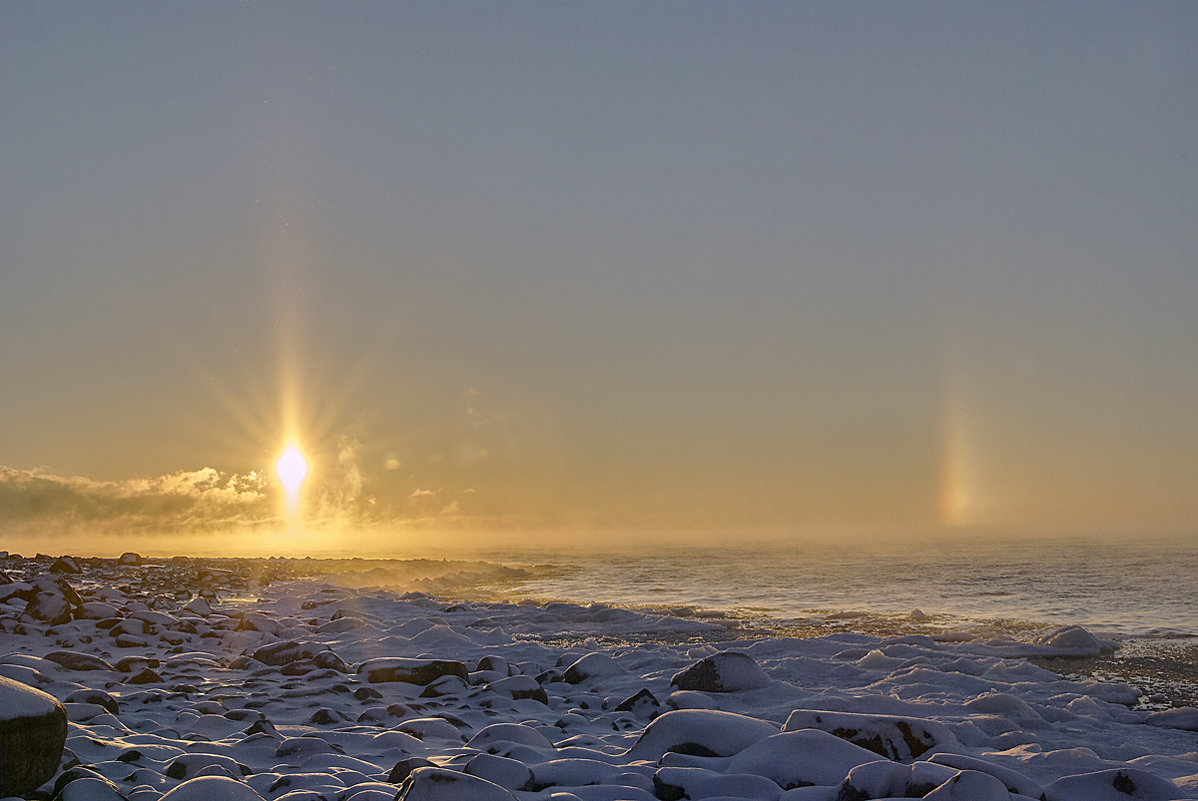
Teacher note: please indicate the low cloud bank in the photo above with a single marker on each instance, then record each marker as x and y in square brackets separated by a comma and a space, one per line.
[195, 500]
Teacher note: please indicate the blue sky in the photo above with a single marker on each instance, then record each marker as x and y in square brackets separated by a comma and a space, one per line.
[515, 265]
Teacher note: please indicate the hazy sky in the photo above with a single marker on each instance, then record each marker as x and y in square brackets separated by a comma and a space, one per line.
[629, 265]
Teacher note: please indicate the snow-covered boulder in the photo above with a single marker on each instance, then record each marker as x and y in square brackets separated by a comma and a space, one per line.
[1073, 641]
[1183, 717]
[1114, 784]
[440, 784]
[410, 670]
[970, 785]
[725, 672]
[65, 564]
[702, 732]
[1014, 781]
[212, 788]
[33, 731]
[592, 666]
[798, 758]
[894, 737]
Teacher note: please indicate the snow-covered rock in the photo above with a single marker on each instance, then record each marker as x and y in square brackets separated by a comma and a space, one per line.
[703, 732]
[725, 672]
[891, 736]
[33, 730]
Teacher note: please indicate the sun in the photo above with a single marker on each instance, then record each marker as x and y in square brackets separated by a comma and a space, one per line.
[291, 469]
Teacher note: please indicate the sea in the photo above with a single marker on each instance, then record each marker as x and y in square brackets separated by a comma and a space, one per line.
[1145, 586]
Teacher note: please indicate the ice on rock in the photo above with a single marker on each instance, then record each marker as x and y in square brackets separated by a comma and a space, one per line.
[703, 732]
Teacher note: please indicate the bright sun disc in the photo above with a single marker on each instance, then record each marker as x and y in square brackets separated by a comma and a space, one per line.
[291, 469]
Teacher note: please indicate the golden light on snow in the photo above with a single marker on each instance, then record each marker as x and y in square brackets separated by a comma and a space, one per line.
[291, 469]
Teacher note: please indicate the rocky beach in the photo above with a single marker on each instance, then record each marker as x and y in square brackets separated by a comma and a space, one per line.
[201, 679]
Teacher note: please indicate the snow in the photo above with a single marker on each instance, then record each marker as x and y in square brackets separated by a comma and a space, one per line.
[19, 700]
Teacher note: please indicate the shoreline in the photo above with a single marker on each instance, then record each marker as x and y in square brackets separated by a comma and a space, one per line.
[253, 680]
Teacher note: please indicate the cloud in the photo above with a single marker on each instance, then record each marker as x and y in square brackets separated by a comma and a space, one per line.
[204, 499]
[215, 509]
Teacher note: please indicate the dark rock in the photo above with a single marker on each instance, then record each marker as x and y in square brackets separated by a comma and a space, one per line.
[330, 661]
[496, 663]
[98, 697]
[65, 564]
[68, 776]
[644, 702]
[278, 654]
[129, 558]
[325, 716]
[404, 767]
[591, 666]
[367, 693]
[188, 766]
[50, 608]
[263, 726]
[33, 731]
[128, 664]
[77, 660]
[725, 672]
[428, 784]
[91, 788]
[446, 685]
[666, 791]
[412, 671]
[145, 676]
[895, 737]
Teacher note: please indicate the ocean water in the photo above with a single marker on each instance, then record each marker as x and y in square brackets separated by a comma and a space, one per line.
[1131, 588]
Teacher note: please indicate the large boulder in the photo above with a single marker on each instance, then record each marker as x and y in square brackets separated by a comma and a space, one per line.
[700, 732]
[65, 564]
[441, 784]
[725, 672]
[412, 671]
[894, 737]
[592, 666]
[212, 788]
[798, 758]
[33, 731]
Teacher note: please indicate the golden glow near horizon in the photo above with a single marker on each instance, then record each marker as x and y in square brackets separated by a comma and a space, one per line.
[291, 469]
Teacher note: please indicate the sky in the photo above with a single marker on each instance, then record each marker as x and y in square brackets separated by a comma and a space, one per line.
[596, 267]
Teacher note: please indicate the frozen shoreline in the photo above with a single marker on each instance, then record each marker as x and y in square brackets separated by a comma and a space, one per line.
[212, 687]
